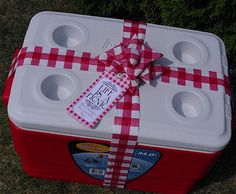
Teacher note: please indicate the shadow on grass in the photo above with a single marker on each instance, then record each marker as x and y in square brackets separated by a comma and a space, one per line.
[224, 168]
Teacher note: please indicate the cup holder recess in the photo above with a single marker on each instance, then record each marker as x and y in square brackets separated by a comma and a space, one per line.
[68, 36]
[188, 52]
[57, 87]
[188, 104]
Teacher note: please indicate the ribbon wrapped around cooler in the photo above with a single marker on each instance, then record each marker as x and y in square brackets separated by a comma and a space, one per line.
[133, 58]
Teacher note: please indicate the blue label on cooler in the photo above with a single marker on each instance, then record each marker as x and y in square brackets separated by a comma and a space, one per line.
[92, 159]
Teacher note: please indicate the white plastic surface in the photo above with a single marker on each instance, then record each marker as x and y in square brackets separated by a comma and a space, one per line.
[173, 116]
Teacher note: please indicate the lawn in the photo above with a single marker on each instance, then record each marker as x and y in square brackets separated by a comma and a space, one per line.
[14, 19]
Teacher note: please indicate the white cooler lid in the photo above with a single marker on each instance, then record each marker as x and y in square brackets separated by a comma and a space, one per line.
[171, 115]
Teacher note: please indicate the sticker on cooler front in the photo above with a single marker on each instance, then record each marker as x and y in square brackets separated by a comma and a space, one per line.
[99, 98]
[92, 159]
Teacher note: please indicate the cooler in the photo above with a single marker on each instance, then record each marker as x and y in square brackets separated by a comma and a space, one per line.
[182, 129]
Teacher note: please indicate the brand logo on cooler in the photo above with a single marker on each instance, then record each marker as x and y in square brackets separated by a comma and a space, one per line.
[92, 147]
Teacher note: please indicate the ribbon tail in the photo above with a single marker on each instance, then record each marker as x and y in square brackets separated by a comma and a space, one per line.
[124, 139]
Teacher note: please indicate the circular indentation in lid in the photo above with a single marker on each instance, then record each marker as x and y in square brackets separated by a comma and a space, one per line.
[188, 52]
[67, 36]
[57, 87]
[188, 104]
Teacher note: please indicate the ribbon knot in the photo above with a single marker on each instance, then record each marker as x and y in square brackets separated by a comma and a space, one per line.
[134, 58]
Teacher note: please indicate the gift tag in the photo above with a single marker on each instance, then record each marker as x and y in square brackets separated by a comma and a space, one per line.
[99, 97]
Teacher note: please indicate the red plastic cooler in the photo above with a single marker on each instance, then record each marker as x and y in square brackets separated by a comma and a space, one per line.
[182, 129]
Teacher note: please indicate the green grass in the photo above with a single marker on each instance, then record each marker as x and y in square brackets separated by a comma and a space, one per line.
[14, 19]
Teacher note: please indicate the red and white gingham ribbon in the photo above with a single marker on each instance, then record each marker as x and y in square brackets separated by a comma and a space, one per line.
[126, 120]
[83, 61]
[136, 60]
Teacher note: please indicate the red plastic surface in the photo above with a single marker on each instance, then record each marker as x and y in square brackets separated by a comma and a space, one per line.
[46, 155]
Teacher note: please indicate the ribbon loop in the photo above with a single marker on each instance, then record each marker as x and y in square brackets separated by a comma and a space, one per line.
[136, 59]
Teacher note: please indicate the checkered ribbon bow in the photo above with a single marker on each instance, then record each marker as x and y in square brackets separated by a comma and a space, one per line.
[135, 59]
